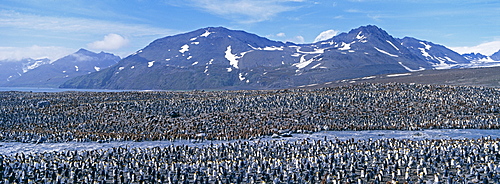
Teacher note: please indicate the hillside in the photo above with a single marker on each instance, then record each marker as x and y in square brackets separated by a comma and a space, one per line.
[220, 58]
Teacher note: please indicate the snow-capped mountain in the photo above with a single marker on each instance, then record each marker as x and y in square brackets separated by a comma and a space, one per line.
[438, 56]
[219, 58]
[474, 56]
[12, 69]
[82, 62]
[478, 60]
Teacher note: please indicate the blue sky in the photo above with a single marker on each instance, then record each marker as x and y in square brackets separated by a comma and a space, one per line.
[55, 28]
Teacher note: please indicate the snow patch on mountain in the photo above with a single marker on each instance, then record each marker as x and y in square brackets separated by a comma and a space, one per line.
[206, 33]
[385, 52]
[392, 44]
[232, 58]
[424, 52]
[398, 75]
[206, 66]
[315, 66]
[76, 68]
[96, 68]
[361, 38]
[303, 62]
[150, 64]
[345, 46]
[409, 69]
[36, 64]
[184, 48]
[442, 65]
[427, 46]
[272, 48]
[241, 77]
[139, 51]
[449, 59]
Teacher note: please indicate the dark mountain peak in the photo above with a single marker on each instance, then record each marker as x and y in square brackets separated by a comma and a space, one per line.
[365, 34]
[85, 52]
[411, 42]
[407, 39]
[474, 56]
[218, 29]
[372, 29]
[496, 56]
[238, 35]
[86, 55]
[369, 31]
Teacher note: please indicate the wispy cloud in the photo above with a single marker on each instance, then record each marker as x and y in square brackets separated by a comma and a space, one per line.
[296, 39]
[281, 35]
[70, 30]
[34, 52]
[325, 35]
[110, 42]
[14, 19]
[246, 11]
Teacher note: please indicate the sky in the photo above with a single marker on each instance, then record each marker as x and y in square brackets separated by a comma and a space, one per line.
[55, 28]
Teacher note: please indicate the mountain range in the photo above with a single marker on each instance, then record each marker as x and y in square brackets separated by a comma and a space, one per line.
[219, 58]
[484, 77]
[44, 73]
[12, 69]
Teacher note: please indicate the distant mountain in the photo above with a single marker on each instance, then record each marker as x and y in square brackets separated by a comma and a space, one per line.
[478, 60]
[12, 69]
[486, 77]
[219, 58]
[438, 56]
[496, 56]
[56, 73]
[474, 56]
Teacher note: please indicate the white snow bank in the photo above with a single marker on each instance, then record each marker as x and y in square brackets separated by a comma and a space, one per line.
[385, 52]
[399, 74]
[184, 48]
[150, 64]
[10, 148]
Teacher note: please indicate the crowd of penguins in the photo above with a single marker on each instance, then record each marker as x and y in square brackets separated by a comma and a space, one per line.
[247, 116]
[275, 161]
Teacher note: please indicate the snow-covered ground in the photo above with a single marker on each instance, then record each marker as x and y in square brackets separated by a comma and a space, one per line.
[8, 148]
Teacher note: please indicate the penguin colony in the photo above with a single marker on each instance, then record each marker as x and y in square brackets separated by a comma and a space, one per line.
[275, 161]
[230, 115]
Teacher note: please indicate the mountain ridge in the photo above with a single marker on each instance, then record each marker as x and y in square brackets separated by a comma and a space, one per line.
[55, 73]
[220, 58]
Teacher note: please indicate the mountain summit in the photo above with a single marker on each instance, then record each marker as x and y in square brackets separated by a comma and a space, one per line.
[219, 58]
[56, 73]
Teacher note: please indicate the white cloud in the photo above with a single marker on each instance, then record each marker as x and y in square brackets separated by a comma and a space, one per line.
[325, 35]
[245, 11]
[280, 35]
[110, 42]
[67, 25]
[34, 52]
[487, 48]
[297, 39]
